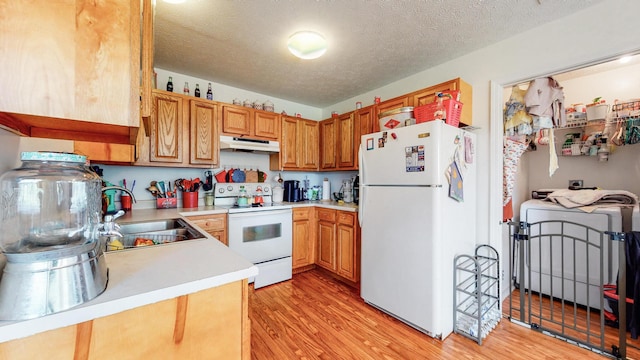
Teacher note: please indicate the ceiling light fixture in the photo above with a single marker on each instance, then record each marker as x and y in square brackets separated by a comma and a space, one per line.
[307, 45]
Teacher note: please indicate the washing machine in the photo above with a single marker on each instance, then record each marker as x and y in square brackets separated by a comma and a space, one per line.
[569, 249]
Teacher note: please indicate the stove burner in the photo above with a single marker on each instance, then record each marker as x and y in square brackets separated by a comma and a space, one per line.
[252, 205]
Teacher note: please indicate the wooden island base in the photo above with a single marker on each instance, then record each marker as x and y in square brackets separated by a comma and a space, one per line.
[210, 324]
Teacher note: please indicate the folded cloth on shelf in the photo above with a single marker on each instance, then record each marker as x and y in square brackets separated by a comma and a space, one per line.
[589, 200]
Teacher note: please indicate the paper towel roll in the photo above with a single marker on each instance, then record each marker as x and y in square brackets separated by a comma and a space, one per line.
[326, 189]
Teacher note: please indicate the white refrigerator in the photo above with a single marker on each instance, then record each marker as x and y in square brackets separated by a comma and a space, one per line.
[417, 212]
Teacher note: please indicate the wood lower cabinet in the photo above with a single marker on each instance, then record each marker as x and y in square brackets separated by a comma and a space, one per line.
[304, 244]
[298, 145]
[210, 324]
[347, 246]
[214, 225]
[183, 133]
[326, 257]
[338, 243]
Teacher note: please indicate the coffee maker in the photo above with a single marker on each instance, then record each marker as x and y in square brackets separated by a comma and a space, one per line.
[292, 191]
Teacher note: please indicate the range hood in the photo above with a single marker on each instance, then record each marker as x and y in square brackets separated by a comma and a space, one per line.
[230, 143]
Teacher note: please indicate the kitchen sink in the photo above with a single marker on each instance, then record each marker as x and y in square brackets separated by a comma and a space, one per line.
[152, 226]
[156, 231]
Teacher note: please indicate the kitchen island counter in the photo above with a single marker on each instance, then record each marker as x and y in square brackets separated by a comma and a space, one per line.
[139, 277]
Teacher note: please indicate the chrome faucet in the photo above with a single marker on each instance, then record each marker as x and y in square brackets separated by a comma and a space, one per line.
[113, 187]
[109, 228]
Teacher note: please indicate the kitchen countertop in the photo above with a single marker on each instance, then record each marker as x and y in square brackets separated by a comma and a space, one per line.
[139, 277]
[329, 204]
[137, 215]
[144, 276]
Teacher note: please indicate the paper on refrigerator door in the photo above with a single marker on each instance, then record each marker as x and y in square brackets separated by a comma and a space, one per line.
[414, 156]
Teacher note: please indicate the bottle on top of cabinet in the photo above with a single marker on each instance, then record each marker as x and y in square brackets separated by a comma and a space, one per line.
[197, 91]
[209, 93]
[186, 88]
[170, 84]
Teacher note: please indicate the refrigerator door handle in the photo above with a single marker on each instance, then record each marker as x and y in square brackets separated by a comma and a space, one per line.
[362, 187]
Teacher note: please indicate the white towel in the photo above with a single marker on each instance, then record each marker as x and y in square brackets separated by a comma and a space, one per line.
[589, 200]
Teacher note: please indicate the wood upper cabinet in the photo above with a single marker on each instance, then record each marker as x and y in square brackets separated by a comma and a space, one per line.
[298, 145]
[182, 132]
[338, 142]
[426, 96]
[244, 121]
[267, 124]
[367, 119]
[347, 151]
[303, 237]
[392, 104]
[309, 148]
[166, 138]
[236, 120]
[289, 145]
[215, 225]
[328, 144]
[203, 134]
[76, 60]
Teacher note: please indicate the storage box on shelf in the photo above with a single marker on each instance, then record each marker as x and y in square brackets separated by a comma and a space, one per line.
[453, 110]
[597, 111]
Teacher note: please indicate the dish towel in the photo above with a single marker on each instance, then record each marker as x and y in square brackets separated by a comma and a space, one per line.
[589, 200]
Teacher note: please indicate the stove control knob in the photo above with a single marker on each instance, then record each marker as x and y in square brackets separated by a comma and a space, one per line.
[221, 190]
[265, 189]
[229, 188]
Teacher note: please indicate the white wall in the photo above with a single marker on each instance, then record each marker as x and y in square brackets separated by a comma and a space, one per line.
[226, 94]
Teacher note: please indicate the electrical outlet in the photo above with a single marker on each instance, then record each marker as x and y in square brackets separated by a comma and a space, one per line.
[576, 183]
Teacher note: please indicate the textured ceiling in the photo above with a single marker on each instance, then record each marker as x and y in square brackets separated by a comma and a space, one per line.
[242, 43]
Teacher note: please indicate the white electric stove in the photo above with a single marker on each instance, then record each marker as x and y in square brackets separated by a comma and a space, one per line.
[261, 232]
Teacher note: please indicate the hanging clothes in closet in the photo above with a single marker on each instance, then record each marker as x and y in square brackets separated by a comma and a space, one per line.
[545, 102]
[517, 127]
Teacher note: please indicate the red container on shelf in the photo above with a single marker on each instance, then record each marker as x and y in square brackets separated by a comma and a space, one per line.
[427, 112]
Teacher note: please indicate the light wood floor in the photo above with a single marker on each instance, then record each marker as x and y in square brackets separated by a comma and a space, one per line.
[314, 316]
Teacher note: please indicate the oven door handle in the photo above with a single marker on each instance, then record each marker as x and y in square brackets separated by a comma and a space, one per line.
[261, 213]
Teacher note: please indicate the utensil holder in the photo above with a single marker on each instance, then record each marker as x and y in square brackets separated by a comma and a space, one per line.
[166, 203]
[189, 199]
